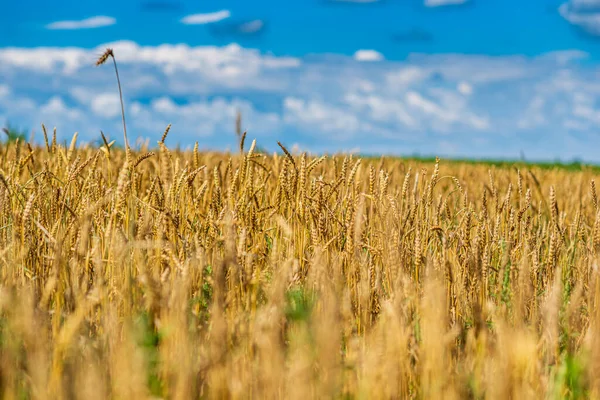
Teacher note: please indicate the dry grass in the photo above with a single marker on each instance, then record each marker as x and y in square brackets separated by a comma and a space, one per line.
[202, 275]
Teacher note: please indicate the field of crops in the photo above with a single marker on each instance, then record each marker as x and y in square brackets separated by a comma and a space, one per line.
[173, 274]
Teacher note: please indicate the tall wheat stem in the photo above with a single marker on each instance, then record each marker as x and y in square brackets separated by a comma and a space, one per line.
[102, 60]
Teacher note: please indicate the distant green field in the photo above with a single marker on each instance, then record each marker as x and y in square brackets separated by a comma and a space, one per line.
[570, 166]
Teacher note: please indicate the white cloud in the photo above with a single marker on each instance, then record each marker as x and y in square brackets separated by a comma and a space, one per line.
[564, 57]
[465, 88]
[316, 115]
[4, 90]
[252, 26]
[368, 55]
[585, 109]
[448, 113]
[584, 4]
[230, 64]
[47, 60]
[438, 3]
[201, 19]
[87, 23]
[106, 105]
[203, 118]
[406, 76]
[534, 114]
[164, 105]
[477, 68]
[582, 13]
[382, 110]
[56, 106]
[420, 103]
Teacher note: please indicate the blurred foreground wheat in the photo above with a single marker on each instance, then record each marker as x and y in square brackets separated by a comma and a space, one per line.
[183, 275]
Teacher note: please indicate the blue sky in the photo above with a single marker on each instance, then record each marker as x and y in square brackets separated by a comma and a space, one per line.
[475, 78]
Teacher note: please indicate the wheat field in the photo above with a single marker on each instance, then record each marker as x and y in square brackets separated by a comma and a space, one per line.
[187, 274]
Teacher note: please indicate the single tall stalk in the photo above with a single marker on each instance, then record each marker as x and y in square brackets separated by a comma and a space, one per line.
[101, 60]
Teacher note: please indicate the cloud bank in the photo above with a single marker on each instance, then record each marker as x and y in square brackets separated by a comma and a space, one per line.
[453, 105]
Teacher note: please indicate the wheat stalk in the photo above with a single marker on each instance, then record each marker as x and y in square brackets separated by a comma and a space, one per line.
[101, 60]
